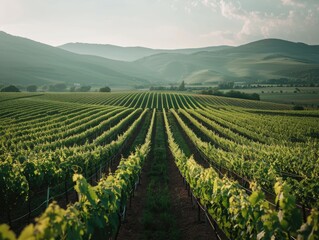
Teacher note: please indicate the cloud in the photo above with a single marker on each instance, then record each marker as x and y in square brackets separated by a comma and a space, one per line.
[289, 23]
[293, 3]
[181, 23]
[213, 5]
[229, 10]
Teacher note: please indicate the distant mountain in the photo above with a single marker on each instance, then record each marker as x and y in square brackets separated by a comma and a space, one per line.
[23, 61]
[261, 60]
[128, 53]
[276, 46]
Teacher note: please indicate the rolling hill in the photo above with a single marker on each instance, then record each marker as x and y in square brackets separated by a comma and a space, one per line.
[261, 60]
[24, 62]
[128, 53]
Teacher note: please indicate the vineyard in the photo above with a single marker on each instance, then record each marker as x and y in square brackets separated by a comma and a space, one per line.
[156, 165]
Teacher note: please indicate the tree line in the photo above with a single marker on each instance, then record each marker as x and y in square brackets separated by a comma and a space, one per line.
[231, 94]
[60, 87]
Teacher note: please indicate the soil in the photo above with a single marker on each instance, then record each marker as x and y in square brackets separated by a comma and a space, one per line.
[186, 213]
[183, 209]
[132, 226]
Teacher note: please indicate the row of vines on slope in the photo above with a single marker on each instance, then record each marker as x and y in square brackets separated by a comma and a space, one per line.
[159, 100]
[259, 162]
[239, 215]
[20, 181]
[97, 213]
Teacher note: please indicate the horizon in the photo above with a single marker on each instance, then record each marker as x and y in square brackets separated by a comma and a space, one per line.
[159, 24]
[140, 46]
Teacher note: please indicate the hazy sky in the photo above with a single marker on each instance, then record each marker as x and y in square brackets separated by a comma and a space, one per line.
[161, 23]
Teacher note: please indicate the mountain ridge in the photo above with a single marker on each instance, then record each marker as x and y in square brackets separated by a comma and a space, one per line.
[128, 53]
[261, 60]
[25, 61]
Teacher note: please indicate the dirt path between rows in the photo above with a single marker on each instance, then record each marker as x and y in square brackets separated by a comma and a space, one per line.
[132, 227]
[186, 214]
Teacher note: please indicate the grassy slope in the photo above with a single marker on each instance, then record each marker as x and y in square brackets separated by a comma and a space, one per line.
[23, 61]
[307, 99]
[27, 62]
[261, 60]
[288, 95]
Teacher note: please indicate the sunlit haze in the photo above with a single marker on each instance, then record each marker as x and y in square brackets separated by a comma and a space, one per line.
[161, 23]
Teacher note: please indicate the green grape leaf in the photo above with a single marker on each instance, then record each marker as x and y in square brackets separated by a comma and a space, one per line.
[27, 233]
[6, 233]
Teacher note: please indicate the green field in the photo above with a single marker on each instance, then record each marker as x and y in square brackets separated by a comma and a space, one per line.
[305, 96]
[105, 165]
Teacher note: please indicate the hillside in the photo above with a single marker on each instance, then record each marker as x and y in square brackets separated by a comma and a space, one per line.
[128, 53]
[261, 60]
[24, 62]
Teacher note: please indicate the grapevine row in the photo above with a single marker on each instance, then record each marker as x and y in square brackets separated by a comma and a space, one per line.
[240, 215]
[97, 213]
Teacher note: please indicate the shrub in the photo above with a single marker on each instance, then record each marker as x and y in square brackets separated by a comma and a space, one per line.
[10, 88]
[298, 107]
[105, 89]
